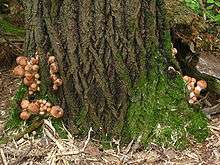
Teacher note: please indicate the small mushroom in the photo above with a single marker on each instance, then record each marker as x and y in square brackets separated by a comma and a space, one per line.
[37, 76]
[174, 51]
[48, 109]
[51, 59]
[56, 111]
[53, 77]
[187, 79]
[25, 115]
[29, 76]
[193, 80]
[58, 82]
[22, 60]
[48, 104]
[33, 107]
[44, 101]
[34, 61]
[24, 104]
[41, 113]
[53, 68]
[28, 67]
[27, 82]
[33, 86]
[202, 84]
[35, 68]
[18, 71]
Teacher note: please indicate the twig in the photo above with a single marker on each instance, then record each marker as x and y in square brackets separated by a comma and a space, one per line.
[4, 161]
[88, 139]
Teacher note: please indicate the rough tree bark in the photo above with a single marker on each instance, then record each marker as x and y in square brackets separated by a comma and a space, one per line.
[113, 57]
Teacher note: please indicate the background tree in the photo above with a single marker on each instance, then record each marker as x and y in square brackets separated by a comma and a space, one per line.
[113, 57]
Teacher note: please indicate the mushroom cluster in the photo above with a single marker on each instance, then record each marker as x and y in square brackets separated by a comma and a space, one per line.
[28, 70]
[57, 82]
[41, 107]
[195, 88]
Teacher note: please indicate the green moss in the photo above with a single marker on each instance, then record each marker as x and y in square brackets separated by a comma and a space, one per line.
[58, 125]
[14, 121]
[9, 28]
[160, 113]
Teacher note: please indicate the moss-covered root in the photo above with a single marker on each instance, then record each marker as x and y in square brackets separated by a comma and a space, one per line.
[35, 125]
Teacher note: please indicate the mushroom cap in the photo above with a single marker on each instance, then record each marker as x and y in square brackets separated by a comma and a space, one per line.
[56, 111]
[19, 71]
[53, 77]
[193, 80]
[187, 79]
[24, 104]
[27, 82]
[35, 68]
[191, 101]
[174, 51]
[34, 61]
[25, 115]
[22, 60]
[33, 86]
[202, 84]
[28, 67]
[51, 59]
[58, 82]
[33, 107]
[48, 104]
[53, 68]
[37, 76]
[29, 76]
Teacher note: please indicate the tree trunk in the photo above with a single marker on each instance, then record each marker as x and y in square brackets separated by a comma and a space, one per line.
[113, 57]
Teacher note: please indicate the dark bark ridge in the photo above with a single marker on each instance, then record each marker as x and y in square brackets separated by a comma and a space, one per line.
[113, 57]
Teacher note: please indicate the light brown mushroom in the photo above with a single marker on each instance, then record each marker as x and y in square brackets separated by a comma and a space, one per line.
[33, 86]
[35, 68]
[37, 76]
[24, 104]
[27, 82]
[58, 82]
[29, 76]
[56, 112]
[34, 61]
[28, 67]
[53, 77]
[202, 84]
[25, 115]
[33, 107]
[22, 60]
[19, 71]
[51, 59]
[53, 68]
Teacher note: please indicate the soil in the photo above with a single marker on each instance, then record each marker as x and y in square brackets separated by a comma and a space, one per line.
[52, 150]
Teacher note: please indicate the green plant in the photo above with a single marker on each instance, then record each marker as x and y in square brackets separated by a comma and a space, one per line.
[211, 9]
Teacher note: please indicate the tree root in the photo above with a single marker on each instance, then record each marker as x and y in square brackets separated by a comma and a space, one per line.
[36, 124]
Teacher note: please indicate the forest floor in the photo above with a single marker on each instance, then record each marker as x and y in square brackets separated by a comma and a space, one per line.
[50, 149]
